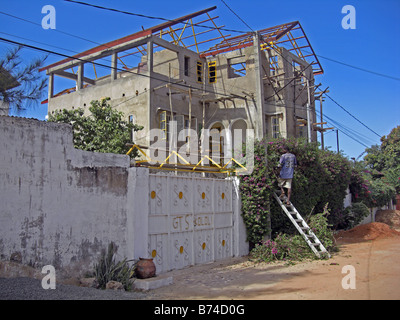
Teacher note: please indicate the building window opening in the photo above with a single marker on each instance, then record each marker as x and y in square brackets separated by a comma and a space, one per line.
[236, 68]
[275, 127]
[187, 63]
[199, 71]
[272, 126]
[212, 72]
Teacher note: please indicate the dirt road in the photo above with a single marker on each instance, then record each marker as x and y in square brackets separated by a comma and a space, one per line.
[375, 260]
[376, 264]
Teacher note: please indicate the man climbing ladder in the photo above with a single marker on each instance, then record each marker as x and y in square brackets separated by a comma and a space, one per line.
[287, 163]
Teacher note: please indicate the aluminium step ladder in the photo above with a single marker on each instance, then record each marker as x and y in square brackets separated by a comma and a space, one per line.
[313, 242]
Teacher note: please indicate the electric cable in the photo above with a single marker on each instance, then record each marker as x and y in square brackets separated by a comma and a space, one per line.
[146, 16]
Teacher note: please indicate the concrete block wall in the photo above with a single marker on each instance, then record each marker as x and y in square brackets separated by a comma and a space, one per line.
[58, 205]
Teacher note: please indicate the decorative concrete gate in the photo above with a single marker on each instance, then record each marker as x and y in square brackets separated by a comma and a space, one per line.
[192, 220]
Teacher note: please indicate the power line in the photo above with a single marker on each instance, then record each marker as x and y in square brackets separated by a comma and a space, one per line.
[244, 22]
[359, 68]
[352, 66]
[357, 137]
[146, 16]
[352, 115]
[57, 30]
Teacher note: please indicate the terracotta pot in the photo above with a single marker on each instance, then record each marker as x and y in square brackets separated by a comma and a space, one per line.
[145, 268]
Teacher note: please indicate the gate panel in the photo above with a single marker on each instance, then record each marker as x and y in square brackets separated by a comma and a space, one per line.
[190, 220]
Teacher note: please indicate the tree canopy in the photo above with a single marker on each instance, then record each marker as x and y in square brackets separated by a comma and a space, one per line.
[103, 130]
[21, 84]
[384, 160]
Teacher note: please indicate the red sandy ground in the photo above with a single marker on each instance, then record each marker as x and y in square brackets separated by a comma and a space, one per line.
[372, 249]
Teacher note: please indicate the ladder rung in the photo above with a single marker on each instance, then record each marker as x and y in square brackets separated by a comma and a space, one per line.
[304, 228]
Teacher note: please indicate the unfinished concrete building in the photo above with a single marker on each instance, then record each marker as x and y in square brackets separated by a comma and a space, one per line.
[191, 71]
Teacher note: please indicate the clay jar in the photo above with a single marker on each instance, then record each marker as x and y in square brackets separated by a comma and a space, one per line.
[145, 268]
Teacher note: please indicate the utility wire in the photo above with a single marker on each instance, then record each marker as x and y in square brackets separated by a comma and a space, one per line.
[244, 22]
[350, 65]
[146, 16]
[57, 30]
[357, 137]
[358, 68]
[354, 117]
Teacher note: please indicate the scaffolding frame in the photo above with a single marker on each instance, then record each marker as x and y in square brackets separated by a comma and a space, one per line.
[186, 166]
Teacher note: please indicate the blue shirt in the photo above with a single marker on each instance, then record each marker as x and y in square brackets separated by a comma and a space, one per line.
[288, 162]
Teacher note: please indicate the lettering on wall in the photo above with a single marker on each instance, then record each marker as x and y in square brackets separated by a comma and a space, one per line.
[188, 222]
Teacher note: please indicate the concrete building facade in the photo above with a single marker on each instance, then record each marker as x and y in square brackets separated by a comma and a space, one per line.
[251, 81]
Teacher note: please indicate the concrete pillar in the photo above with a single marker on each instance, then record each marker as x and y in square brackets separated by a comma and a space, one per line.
[114, 60]
[258, 114]
[240, 244]
[51, 86]
[150, 115]
[150, 57]
[79, 80]
[138, 213]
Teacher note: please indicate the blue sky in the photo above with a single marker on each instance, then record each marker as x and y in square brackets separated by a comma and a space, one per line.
[374, 45]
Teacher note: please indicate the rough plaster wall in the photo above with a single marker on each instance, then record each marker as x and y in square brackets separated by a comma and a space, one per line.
[58, 205]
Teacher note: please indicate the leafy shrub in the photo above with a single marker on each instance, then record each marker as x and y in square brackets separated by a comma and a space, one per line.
[107, 269]
[353, 215]
[256, 194]
[320, 226]
[294, 248]
[282, 248]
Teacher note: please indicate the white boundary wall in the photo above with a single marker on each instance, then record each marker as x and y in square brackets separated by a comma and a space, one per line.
[62, 206]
